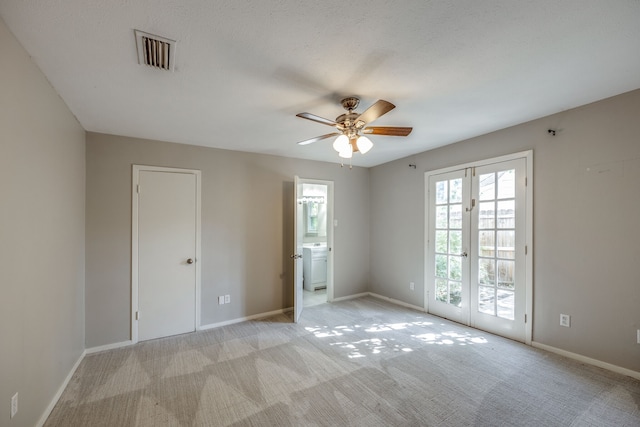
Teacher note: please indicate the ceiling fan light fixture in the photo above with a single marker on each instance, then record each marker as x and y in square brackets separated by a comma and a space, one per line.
[341, 143]
[364, 144]
[347, 153]
[351, 124]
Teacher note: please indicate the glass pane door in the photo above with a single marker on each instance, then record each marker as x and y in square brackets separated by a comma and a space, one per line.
[497, 261]
[448, 243]
[476, 236]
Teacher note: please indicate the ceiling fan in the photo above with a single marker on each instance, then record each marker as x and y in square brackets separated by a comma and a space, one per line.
[351, 127]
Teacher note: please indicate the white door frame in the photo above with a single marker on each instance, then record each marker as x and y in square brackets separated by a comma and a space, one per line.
[134, 240]
[528, 156]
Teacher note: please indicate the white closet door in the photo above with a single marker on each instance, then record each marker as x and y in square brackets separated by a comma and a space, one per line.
[166, 254]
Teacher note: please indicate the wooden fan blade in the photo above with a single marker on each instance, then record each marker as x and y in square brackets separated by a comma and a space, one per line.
[315, 118]
[387, 130]
[379, 108]
[318, 138]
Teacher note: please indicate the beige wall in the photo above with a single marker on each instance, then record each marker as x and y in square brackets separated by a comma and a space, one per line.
[42, 176]
[586, 224]
[247, 205]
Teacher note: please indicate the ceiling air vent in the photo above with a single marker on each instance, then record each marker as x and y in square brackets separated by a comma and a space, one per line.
[155, 51]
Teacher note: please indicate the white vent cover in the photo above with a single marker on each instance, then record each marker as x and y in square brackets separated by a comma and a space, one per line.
[155, 51]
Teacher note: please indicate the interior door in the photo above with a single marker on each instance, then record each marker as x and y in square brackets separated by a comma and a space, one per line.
[298, 240]
[166, 254]
[448, 245]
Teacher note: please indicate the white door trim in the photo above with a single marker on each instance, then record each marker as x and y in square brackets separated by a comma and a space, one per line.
[134, 240]
[528, 156]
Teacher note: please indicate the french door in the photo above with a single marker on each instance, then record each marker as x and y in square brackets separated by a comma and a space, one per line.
[478, 266]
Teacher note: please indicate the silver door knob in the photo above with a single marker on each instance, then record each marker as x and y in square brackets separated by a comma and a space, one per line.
[464, 254]
[190, 261]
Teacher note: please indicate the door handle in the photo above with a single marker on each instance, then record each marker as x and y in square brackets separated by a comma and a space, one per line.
[295, 256]
[464, 254]
[190, 261]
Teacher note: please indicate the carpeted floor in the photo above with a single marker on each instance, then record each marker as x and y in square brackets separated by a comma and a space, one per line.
[361, 362]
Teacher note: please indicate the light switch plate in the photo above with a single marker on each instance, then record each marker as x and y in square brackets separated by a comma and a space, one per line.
[221, 299]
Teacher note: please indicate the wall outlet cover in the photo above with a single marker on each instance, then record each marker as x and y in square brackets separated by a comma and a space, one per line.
[227, 299]
[565, 320]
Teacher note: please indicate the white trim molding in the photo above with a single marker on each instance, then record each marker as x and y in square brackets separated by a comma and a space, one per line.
[398, 302]
[348, 297]
[63, 386]
[106, 347]
[587, 360]
[244, 319]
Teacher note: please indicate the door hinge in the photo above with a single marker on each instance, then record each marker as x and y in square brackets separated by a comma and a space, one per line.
[525, 181]
[525, 318]
[138, 188]
[474, 171]
[526, 249]
[137, 315]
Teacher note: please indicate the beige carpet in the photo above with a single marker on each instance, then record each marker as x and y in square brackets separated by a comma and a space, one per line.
[362, 362]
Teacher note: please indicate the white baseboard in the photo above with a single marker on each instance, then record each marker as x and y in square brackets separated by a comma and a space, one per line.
[109, 346]
[397, 302]
[587, 360]
[244, 319]
[348, 297]
[56, 397]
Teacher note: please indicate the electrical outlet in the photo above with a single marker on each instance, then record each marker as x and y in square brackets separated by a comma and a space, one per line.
[227, 299]
[412, 286]
[221, 299]
[565, 320]
[14, 405]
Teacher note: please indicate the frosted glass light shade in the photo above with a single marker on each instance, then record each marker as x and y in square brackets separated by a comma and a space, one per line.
[347, 153]
[341, 143]
[364, 144]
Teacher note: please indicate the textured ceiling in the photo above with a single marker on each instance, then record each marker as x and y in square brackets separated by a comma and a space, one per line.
[454, 69]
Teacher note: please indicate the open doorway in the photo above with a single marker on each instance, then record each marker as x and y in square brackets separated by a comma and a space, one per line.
[317, 241]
